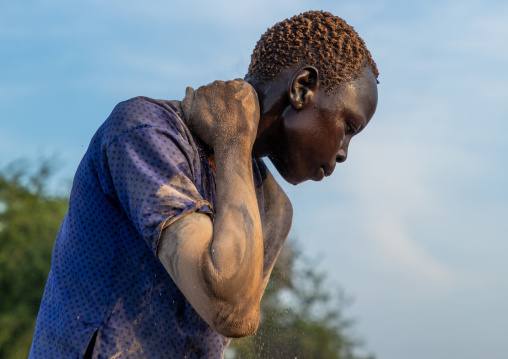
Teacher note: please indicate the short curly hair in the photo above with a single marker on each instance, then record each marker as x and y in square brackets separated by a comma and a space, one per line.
[315, 38]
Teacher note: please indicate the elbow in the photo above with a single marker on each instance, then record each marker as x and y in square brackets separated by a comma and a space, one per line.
[236, 323]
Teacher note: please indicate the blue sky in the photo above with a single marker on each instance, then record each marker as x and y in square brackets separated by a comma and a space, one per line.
[414, 225]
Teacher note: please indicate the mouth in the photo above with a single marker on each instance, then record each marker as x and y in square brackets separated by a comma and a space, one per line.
[319, 175]
[328, 170]
[322, 172]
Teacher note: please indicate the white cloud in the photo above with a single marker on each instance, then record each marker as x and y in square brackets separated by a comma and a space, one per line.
[418, 209]
[404, 254]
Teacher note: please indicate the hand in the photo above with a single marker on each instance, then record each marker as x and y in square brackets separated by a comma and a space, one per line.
[223, 114]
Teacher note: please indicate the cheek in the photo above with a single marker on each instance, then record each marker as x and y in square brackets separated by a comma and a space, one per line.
[295, 122]
[327, 141]
[296, 132]
[303, 130]
[310, 139]
[337, 138]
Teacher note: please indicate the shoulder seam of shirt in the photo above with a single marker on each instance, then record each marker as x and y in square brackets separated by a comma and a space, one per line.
[132, 129]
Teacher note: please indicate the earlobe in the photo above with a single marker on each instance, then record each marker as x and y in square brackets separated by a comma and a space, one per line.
[302, 86]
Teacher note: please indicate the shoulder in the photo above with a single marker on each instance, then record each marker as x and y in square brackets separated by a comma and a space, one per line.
[142, 113]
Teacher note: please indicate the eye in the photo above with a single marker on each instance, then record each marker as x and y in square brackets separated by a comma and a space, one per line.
[350, 128]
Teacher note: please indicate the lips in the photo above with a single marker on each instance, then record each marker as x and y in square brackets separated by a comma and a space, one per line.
[322, 172]
[328, 170]
[319, 175]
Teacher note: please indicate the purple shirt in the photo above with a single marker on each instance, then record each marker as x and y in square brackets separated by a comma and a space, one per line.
[142, 171]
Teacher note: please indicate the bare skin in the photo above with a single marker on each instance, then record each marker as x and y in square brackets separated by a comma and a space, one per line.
[223, 269]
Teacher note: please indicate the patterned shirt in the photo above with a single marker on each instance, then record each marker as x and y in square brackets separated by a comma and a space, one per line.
[143, 170]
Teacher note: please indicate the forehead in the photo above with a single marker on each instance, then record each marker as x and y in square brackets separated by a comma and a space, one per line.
[358, 96]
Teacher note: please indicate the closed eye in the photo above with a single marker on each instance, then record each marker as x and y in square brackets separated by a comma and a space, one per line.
[351, 129]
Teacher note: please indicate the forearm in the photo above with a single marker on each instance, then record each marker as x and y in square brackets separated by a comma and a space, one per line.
[236, 251]
[219, 267]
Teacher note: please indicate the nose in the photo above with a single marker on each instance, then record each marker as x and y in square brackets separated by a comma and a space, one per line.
[339, 158]
[341, 155]
[342, 152]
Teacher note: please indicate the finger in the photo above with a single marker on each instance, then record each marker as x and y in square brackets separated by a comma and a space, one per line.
[187, 101]
[244, 92]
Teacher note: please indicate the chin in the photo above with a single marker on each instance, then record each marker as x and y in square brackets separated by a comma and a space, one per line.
[292, 179]
[294, 183]
[289, 176]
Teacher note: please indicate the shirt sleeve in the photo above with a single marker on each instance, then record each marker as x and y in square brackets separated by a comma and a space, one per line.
[152, 175]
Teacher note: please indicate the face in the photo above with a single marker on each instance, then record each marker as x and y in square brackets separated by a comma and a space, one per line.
[316, 137]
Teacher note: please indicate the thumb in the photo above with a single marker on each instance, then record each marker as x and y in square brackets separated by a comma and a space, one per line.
[187, 102]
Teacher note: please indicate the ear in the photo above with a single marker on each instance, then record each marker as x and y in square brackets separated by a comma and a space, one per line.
[303, 86]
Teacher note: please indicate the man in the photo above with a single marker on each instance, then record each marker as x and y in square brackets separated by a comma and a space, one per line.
[174, 222]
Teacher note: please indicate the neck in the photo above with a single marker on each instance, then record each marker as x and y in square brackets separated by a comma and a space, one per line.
[273, 100]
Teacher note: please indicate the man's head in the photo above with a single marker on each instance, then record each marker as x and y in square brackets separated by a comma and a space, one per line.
[314, 38]
[317, 88]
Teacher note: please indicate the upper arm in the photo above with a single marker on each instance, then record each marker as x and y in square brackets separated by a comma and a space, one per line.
[278, 220]
[276, 201]
[150, 173]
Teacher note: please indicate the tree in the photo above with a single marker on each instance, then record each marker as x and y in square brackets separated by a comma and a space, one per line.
[300, 318]
[29, 221]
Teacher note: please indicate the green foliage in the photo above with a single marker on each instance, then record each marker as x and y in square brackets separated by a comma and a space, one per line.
[300, 318]
[29, 221]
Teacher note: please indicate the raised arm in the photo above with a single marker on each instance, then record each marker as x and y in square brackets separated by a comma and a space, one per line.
[219, 267]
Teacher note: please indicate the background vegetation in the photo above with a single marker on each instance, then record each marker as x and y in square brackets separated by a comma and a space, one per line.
[29, 221]
[301, 318]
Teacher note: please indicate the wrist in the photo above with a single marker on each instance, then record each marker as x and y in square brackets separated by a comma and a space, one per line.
[233, 148]
[233, 162]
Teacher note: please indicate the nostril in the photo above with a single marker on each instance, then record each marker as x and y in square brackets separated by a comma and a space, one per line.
[341, 156]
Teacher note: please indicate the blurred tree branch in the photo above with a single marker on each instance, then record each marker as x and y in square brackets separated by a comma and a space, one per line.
[301, 316]
[29, 221]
